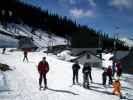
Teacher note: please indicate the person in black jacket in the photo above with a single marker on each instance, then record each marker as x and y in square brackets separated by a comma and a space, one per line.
[25, 56]
[104, 77]
[75, 69]
[86, 75]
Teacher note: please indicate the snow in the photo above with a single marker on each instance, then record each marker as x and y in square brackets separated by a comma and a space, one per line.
[127, 41]
[2, 29]
[106, 62]
[65, 55]
[44, 40]
[24, 30]
[23, 80]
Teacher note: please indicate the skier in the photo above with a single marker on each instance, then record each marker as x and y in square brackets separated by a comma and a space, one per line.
[118, 69]
[104, 77]
[86, 75]
[3, 51]
[25, 55]
[43, 68]
[117, 88]
[75, 69]
[113, 68]
[109, 74]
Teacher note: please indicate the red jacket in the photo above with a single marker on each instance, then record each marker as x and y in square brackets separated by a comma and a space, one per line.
[118, 66]
[109, 71]
[43, 67]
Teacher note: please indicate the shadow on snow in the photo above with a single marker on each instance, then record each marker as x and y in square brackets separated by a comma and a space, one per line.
[63, 91]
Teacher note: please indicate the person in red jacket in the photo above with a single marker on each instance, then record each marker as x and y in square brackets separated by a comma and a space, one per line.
[109, 74]
[43, 68]
[118, 69]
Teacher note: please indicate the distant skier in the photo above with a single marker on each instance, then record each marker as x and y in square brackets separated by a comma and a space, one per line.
[25, 55]
[3, 51]
[86, 75]
[109, 74]
[104, 77]
[118, 69]
[43, 68]
[113, 68]
[75, 69]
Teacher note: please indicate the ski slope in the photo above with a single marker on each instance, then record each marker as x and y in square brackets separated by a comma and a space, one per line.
[22, 82]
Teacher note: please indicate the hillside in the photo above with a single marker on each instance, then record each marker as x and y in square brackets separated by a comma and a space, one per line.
[40, 38]
[18, 12]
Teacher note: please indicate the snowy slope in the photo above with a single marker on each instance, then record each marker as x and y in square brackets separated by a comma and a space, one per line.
[44, 41]
[23, 81]
[127, 41]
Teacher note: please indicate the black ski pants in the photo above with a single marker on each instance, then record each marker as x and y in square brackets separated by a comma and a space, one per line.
[75, 76]
[42, 77]
[25, 57]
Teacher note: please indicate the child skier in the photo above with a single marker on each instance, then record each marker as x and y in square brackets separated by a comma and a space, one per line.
[25, 55]
[117, 87]
[104, 76]
[75, 68]
[86, 75]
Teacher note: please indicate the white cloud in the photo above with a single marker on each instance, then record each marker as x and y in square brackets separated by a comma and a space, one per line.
[92, 3]
[78, 13]
[67, 1]
[120, 4]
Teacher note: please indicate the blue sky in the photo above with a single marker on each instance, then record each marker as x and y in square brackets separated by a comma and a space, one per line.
[110, 16]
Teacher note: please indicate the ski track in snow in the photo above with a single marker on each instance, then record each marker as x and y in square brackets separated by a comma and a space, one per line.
[23, 81]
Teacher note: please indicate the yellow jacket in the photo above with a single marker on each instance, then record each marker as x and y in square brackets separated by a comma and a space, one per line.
[116, 87]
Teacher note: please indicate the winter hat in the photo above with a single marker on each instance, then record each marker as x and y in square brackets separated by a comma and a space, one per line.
[44, 57]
